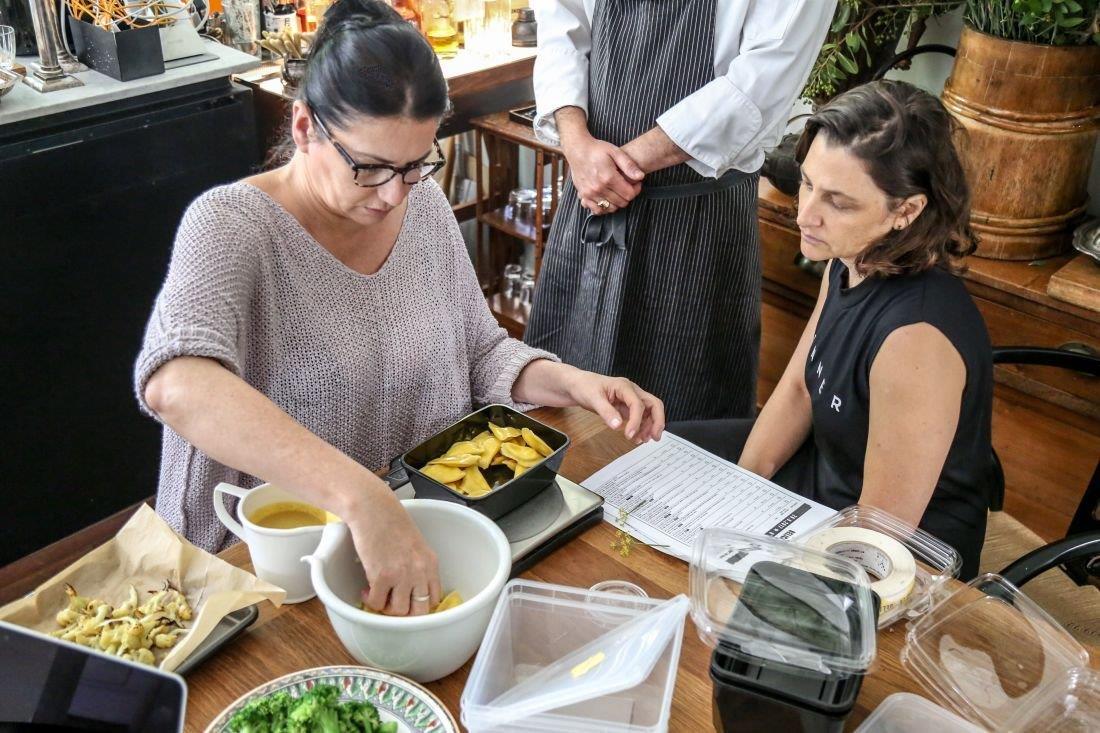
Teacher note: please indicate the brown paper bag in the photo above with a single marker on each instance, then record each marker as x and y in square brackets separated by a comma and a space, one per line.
[146, 552]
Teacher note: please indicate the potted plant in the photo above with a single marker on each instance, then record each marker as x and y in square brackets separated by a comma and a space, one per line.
[863, 38]
[1026, 88]
[861, 42]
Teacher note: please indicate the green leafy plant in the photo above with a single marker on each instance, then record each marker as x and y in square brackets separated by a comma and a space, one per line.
[864, 35]
[1051, 22]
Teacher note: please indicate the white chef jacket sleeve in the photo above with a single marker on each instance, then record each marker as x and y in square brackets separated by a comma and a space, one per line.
[561, 66]
[724, 124]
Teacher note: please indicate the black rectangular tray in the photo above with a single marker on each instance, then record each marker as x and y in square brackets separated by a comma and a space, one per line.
[505, 497]
[229, 628]
[523, 115]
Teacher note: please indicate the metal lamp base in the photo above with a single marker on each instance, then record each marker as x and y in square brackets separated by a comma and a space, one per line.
[54, 84]
[69, 63]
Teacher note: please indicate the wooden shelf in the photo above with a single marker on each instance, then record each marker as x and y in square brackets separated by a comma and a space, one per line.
[510, 313]
[496, 220]
[501, 125]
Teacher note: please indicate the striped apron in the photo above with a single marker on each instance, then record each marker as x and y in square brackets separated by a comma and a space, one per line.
[665, 292]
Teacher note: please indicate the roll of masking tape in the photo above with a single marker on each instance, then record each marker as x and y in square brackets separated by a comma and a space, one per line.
[890, 564]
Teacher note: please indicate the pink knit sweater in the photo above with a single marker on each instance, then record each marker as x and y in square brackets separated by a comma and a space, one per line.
[373, 364]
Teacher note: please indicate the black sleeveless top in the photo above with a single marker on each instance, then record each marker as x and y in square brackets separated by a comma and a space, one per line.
[854, 323]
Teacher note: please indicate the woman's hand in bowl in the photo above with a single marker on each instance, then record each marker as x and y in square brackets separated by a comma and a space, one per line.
[402, 570]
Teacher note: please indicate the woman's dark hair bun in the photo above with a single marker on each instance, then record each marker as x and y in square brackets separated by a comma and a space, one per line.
[364, 13]
[366, 59]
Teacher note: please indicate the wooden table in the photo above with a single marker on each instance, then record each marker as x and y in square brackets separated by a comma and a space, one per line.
[299, 636]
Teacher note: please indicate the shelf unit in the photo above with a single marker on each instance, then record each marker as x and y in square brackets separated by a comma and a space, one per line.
[500, 239]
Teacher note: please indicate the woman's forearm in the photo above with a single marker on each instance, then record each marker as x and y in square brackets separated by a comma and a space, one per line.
[233, 423]
[545, 382]
[780, 430]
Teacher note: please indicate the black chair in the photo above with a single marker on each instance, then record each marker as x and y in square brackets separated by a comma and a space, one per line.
[1078, 553]
[1030, 355]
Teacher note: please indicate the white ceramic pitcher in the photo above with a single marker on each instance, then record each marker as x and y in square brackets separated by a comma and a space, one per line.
[276, 553]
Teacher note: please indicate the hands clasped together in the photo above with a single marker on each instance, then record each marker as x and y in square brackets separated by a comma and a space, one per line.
[606, 178]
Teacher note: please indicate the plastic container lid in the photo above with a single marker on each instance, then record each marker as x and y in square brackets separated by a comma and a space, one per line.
[1070, 704]
[559, 658]
[992, 655]
[620, 587]
[769, 600]
[904, 712]
[932, 561]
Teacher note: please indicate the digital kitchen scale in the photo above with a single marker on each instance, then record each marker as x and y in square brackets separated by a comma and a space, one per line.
[535, 529]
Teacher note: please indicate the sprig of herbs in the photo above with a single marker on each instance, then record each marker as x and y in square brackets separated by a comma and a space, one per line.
[1050, 22]
[864, 34]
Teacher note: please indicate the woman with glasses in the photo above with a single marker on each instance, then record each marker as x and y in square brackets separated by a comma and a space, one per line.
[321, 318]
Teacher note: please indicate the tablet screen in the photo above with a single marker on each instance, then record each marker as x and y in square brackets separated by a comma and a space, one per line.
[52, 686]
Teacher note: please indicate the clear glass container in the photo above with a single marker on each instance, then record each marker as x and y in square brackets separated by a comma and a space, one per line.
[511, 280]
[527, 288]
[439, 26]
[488, 32]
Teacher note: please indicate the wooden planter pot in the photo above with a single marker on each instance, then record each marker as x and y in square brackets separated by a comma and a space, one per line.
[1032, 116]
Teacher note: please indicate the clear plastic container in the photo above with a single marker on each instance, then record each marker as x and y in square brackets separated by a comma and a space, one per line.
[833, 592]
[1070, 705]
[904, 712]
[933, 561]
[793, 631]
[557, 658]
[990, 654]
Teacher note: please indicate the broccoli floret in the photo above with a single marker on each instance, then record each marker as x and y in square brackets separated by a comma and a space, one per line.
[266, 715]
[315, 711]
[358, 717]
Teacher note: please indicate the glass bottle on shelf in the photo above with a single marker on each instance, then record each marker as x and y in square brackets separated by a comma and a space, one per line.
[498, 26]
[406, 9]
[438, 24]
[315, 13]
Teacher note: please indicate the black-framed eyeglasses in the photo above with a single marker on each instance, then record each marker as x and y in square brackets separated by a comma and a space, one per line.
[372, 175]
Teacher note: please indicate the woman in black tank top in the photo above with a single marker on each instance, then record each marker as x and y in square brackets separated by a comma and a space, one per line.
[887, 400]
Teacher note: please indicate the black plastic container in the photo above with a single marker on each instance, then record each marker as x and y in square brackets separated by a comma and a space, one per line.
[756, 694]
[769, 697]
[121, 55]
[505, 497]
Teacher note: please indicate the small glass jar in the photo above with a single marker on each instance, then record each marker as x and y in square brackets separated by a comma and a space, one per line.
[527, 288]
[521, 207]
[511, 281]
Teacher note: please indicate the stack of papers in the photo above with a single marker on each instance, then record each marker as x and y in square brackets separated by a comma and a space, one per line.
[670, 490]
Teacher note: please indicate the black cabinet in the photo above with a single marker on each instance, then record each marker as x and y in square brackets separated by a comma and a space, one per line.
[89, 205]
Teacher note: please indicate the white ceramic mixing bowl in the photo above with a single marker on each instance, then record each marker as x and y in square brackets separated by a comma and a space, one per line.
[474, 559]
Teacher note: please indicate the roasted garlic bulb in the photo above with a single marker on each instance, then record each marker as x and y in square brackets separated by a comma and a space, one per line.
[131, 631]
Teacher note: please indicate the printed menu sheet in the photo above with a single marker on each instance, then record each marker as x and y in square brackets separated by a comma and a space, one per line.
[665, 492]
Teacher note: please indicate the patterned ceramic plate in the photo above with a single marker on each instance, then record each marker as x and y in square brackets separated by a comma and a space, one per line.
[398, 699]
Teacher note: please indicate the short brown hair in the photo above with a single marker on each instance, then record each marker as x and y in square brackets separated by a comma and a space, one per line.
[905, 138]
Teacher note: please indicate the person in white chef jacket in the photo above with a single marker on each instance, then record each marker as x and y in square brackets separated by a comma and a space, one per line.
[664, 110]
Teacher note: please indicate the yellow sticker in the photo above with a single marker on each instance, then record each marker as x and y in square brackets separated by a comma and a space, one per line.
[588, 664]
